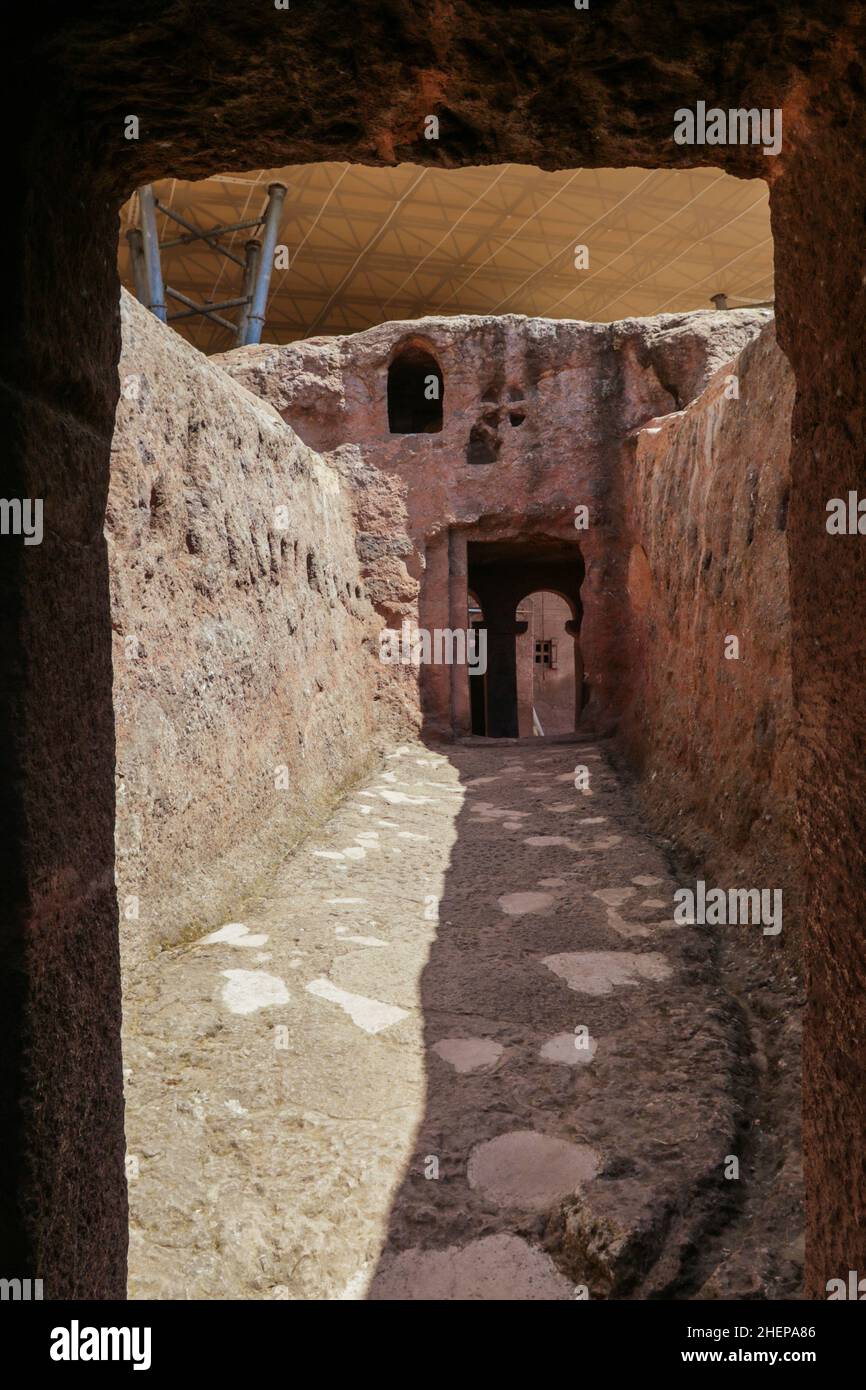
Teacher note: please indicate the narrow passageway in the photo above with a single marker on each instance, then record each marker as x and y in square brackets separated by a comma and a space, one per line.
[458, 1048]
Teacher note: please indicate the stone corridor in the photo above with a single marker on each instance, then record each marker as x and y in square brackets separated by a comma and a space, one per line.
[461, 1020]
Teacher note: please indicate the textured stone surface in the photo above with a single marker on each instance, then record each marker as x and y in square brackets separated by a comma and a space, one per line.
[645, 478]
[526, 1171]
[292, 1151]
[577, 389]
[819, 204]
[63, 1206]
[230, 621]
[494, 1267]
[231, 86]
[535, 83]
[712, 737]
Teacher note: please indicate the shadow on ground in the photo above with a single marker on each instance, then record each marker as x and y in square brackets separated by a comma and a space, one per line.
[581, 1055]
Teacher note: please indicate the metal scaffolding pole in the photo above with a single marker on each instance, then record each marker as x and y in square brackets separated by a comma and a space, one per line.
[258, 307]
[155, 291]
[139, 269]
[253, 249]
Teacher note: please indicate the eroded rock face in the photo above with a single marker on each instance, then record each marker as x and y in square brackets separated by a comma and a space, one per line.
[243, 680]
[711, 731]
[534, 416]
[675, 431]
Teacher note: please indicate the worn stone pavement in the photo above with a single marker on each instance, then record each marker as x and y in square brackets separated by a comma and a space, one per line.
[458, 1049]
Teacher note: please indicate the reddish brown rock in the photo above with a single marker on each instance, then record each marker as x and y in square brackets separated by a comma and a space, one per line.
[534, 416]
[243, 675]
[712, 735]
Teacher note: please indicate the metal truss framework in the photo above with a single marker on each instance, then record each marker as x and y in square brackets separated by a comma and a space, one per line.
[362, 245]
[145, 255]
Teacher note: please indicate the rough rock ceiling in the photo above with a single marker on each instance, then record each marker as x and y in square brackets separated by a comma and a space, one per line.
[370, 244]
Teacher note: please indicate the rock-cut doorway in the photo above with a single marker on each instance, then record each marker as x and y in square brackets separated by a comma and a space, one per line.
[506, 580]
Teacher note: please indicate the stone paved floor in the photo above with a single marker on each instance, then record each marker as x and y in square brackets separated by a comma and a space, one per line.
[459, 1049]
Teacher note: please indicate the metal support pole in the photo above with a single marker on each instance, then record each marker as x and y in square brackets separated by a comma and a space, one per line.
[276, 194]
[155, 291]
[139, 269]
[253, 250]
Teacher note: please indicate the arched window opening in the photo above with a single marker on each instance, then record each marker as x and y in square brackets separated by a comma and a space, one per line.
[415, 392]
[546, 666]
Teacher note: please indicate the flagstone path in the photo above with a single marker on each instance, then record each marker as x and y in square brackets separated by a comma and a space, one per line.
[459, 1049]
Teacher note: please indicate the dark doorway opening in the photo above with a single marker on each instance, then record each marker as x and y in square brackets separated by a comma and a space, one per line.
[502, 574]
[415, 392]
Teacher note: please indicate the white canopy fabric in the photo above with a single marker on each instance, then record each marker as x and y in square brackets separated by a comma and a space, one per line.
[365, 245]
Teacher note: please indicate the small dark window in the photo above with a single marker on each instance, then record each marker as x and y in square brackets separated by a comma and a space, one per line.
[415, 392]
[545, 654]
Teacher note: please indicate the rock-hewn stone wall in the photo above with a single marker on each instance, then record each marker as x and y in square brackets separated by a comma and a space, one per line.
[241, 636]
[687, 484]
[712, 736]
[240, 647]
[535, 413]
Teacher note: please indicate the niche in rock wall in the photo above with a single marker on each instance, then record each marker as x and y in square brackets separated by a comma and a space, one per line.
[415, 392]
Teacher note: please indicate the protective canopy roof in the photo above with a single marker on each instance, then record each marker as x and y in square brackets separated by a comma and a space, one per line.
[365, 245]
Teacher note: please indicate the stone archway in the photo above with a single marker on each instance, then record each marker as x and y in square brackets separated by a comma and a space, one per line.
[549, 665]
[533, 83]
[502, 573]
